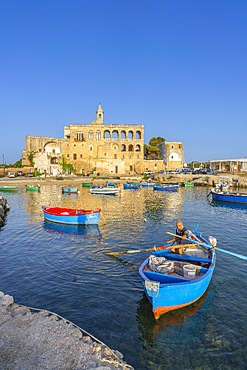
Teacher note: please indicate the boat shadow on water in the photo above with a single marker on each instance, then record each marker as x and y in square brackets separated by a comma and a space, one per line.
[220, 204]
[150, 327]
[89, 231]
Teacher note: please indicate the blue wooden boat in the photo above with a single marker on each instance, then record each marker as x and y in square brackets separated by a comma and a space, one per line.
[166, 187]
[180, 279]
[229, 197]
[131, 186]
[148, 184]
[71, 216]
[69, 190]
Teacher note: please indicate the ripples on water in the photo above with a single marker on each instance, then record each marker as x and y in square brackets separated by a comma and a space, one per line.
[65, 269]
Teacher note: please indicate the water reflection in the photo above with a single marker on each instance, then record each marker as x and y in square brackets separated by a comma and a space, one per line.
[216, 203]
[89, 231]
[150, 327]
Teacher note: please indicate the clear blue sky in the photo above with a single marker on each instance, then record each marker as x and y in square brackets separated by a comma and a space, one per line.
[177, 66]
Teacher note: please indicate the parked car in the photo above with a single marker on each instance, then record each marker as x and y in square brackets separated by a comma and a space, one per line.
[148, 173]
[11, 174]
[29, 174]
[19, 173]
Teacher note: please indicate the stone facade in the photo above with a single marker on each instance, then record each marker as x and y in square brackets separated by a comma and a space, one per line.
[98, 148]
[173, 154]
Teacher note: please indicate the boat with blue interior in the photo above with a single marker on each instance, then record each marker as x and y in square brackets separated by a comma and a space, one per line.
[174, 280]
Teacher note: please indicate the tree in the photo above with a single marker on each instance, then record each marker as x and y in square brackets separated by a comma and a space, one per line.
[152, 151]
[156, 140]
[66, 166]
[18, 164]
[30, 157]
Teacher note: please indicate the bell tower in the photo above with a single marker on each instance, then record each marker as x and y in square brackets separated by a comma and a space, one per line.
[100, 115]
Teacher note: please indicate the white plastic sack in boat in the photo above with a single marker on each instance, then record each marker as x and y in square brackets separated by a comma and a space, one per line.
[160, 264]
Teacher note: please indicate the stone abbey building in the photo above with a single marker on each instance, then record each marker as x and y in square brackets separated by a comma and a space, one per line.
[98, 148]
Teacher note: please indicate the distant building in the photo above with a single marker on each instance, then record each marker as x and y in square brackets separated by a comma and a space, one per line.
[99, 148]
[230, 165]
[172, 154]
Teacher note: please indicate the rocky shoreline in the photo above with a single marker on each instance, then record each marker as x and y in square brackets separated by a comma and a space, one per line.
[32, 339]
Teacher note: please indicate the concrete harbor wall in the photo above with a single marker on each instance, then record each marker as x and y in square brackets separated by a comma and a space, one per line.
[38, 339]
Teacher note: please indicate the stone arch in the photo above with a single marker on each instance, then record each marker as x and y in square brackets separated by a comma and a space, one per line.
[115, 134]
[138, 148]
[115, 146]
[54, 160]
[107, 135]
[123, 148]
[130, 135]
[90, 135]
[123, 134]
[138, 135]
[131, 148]
[98, 135]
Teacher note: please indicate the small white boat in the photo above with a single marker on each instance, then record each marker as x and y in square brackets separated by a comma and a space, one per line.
[104, 190]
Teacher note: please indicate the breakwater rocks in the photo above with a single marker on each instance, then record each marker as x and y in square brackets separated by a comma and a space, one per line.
[4, 207]
[38, 339]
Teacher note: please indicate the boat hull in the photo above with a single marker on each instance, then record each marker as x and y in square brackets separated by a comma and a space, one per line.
[131, 186]
[71, 217]
[10, 189]
[104, 191]
[167, 293]
[32, 188]
[70, 190]
[230, 198]
[166, 187]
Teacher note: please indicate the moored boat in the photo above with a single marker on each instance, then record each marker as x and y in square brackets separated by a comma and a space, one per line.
[69, 190]
[12, 189]
[166, 187]
[86, 184]
[172, 281]
[131, 186]
[148, 184]
[104, 190]
[32, 188]
[229, 197]
[72, 216]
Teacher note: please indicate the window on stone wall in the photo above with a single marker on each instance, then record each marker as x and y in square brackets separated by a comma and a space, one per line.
[123, 148]
[123, 156]
[115, 156]
[131, 168]
[74, 156]
[80, 155]
[107, 135]
[67, 155]
[138, 148]
[123, 134]
[115, 134]
[98, 135]
[80, 136]
[138, 135]
[130, 135]
[131, 148]
[90, 135]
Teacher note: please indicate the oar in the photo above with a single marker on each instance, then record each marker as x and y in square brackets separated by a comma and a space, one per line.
[208, 246]
[146, 249]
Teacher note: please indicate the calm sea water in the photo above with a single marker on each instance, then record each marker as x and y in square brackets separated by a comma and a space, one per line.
[67, 270]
